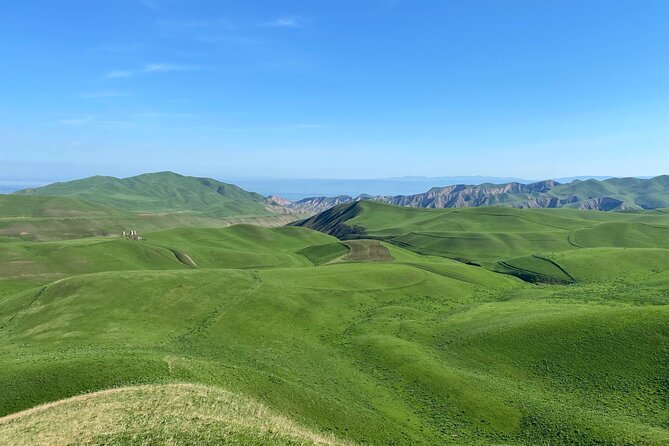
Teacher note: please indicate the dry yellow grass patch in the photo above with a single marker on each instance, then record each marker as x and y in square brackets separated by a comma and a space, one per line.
[155, 414]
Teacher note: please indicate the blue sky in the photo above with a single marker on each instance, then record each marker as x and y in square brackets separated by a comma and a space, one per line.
[334, 89]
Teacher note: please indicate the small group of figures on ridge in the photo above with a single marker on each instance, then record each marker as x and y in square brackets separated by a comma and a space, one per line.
[132, 235]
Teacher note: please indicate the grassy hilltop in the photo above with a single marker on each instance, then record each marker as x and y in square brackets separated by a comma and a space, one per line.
[103, 206]
[385, 325]
[160, 192]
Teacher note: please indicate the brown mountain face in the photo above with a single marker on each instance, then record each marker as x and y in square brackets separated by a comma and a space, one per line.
[483, 195]
[601, 204]
[319, 204]
[274, 200]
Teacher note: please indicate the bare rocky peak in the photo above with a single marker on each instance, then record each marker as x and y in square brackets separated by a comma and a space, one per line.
[275, 200]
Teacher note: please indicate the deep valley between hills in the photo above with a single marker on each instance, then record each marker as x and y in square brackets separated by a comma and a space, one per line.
[468, 315]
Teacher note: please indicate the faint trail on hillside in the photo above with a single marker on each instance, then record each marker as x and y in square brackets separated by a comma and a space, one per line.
[521, 217]
[199, 328]
[32, 302]
[654, 225]
[448, 274]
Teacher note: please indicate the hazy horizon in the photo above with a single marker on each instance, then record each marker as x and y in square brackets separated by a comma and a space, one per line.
[299, 188]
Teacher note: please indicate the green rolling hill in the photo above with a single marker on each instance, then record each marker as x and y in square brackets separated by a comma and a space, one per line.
[373, 329]
[488, 234]
[160, 192]
[14, 206]
[633, 193]
[105, 206]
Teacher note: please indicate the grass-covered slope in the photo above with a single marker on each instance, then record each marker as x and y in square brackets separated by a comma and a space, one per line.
[492, 233]
[325, 253]
[243, 246]
[374, 341]
[376, 352]
[160, 192]
[13, 206]
[28, 264]
[104, 206]
[95, 224]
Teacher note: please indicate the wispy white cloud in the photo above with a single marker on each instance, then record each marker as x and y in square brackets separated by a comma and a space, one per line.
[102, 94]
[285, 22]
[151, 4]
[119, 47]
[185, 24]
[310, 126]
[150, 68]
[162, 115]
[118, 74]
[178, 23]
[166, 67]
[142, 119]
[78, 121]
[228, 38]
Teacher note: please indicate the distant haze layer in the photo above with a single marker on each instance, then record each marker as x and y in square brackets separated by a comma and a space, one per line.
[299, 188]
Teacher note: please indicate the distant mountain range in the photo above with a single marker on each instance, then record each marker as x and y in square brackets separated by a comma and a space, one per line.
[171, 192]
[297, 189]
[605, 195]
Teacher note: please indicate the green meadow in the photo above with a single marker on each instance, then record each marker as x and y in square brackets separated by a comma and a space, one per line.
[365, 324]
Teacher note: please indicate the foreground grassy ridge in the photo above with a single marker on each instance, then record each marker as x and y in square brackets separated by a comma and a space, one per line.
[363, 339]
[188, 414]
[379, 353]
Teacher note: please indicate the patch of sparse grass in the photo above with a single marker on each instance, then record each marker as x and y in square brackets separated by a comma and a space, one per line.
[367, 251]
[189, 414]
